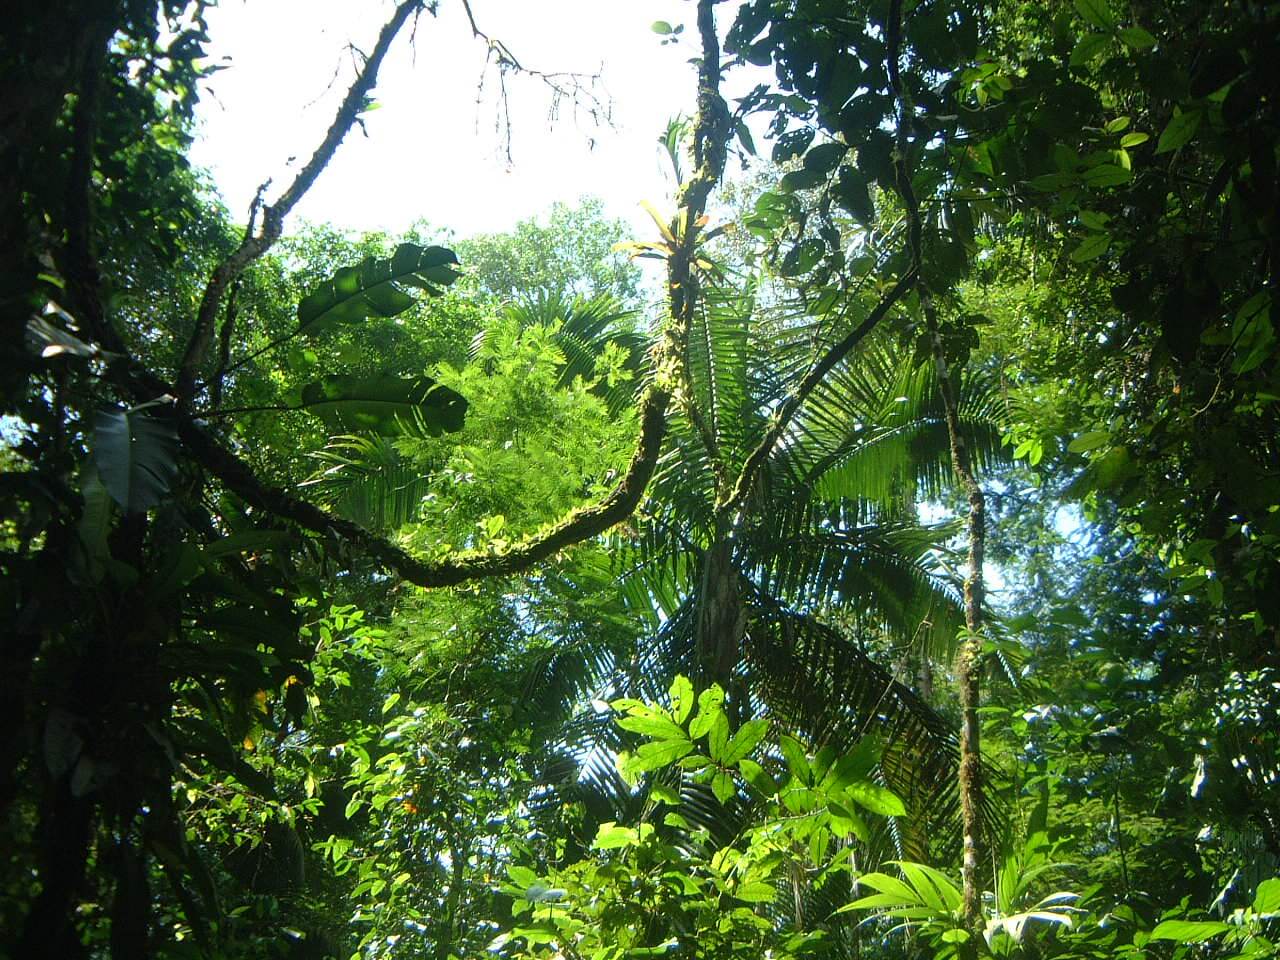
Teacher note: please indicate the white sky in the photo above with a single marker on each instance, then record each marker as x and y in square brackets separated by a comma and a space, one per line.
[432, 153]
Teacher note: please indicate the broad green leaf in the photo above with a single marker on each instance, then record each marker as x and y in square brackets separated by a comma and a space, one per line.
[1179, 131]
[876, 798]
[1135, 38]
[1107, 175]
[136, 457]
[1088, 47]
[891, 886]
[1092, 247]
[1097, 13]
[661, 27]
[661, 793]
[1266, 899]
[681, 698]
[652, 756]
[801, 180]
[1189, 931]
[795, 756]
[522, 877]
[722, 786]
[845, 821]
[1134, 139]
[758, 777]
[745, 740]
[610, 836]
[1089, 441]
[825, 157]
[718, 738]
[709, 707]
[935, 887]
[756, 892]
[651, 723]
[376, 287]
[1093, 220]
[853, 194]
[382, 405]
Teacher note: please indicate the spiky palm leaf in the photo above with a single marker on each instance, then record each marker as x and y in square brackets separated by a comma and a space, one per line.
[364, 479]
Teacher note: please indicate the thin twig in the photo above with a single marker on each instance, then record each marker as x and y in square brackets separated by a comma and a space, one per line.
[254, 246]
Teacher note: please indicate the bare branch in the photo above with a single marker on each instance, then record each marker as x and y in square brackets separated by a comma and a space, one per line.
[255, 245]
[583, 90]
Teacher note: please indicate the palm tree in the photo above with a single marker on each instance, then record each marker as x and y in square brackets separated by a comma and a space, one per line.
[782, 601]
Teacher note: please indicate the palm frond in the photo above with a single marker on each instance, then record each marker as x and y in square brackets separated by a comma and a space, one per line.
[364, 479]
[586, 326]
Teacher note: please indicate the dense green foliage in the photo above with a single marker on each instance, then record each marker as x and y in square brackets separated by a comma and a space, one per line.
[422, 596]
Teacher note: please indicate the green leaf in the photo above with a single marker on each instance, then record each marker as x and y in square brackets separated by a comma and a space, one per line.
[709, 707]
[1089, 441]
[892, 887]
[522, 877]
[1134, 139]
[795, 756]
[610, 836]
[756, 892]
[661, 793]
[934, 886]
[681, 698]
[1179, 131]
[1189, 931]
[652, 756]
[825, 157]
[661, 27]
[1107, 175]
[1088, 47]
[718, 738]
[722, 786]
[801, 180]
[1092, 247]
[1135, 38]
[745, 740]
[651, 723]
[1266, 899]
[853, 194]
[375, 287]
[758, 777]
[349, 404]
[135, 456]
[845, 822]
[1096, 13]
[876, 798]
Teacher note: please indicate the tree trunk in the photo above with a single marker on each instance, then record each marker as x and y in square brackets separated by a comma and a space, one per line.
[969, 660]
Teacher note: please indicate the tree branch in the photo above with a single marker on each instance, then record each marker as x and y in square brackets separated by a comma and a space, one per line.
[253, 245]
[621, 502]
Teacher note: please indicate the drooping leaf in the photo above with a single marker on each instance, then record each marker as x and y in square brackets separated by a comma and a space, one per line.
[1179, 131]
[136, 457]
[383, 404]
[377, 287]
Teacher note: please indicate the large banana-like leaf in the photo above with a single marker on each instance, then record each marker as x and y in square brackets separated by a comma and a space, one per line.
[136, 457]
[384, 405]
[376, 287]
